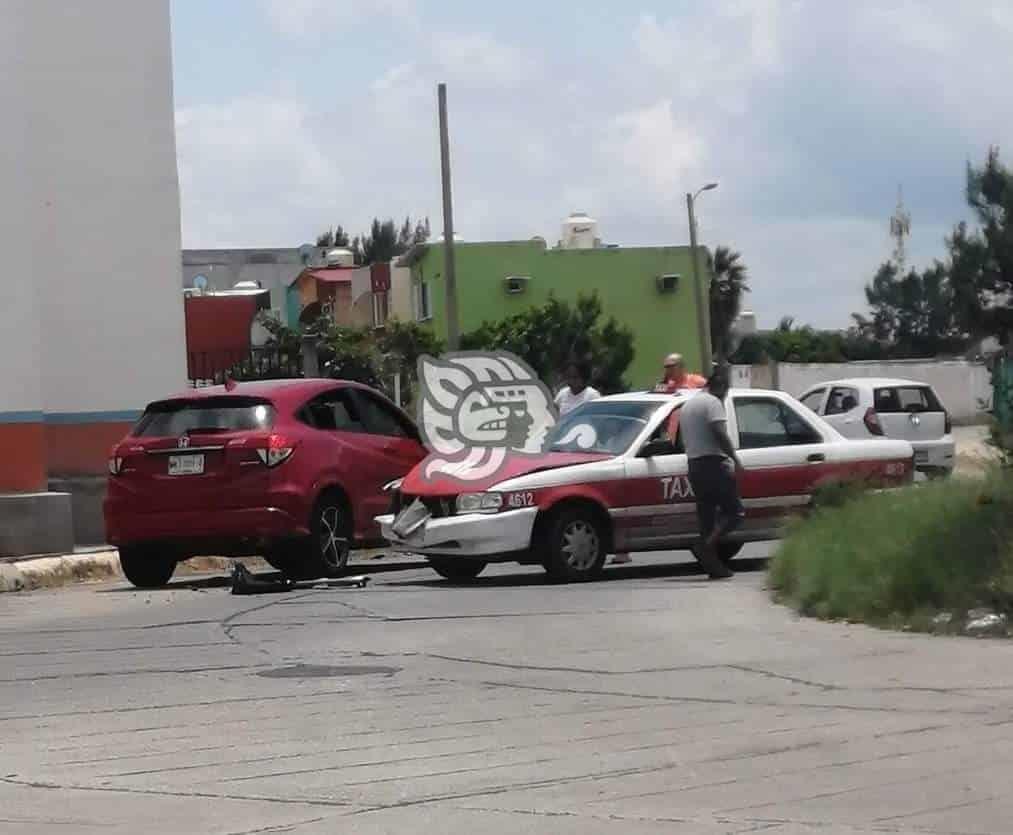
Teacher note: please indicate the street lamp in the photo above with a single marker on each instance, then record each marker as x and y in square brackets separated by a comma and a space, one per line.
[701, 317]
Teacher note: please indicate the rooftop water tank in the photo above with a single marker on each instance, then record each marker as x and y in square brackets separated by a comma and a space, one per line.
[340, 258]
[580, 231]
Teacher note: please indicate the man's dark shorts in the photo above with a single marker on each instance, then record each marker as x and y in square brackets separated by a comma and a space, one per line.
[713, 481]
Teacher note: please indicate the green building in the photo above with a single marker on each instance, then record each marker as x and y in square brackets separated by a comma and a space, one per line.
[649, 289]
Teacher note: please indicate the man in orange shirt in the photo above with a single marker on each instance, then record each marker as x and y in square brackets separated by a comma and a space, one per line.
[677, 378]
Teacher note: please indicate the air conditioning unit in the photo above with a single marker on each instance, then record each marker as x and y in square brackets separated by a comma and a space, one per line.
[668, 283]
[515, 284]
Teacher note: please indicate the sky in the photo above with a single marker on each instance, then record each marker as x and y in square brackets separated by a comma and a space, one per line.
[296, 115]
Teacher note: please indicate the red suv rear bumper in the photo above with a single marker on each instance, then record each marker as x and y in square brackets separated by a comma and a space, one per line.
[243, 523]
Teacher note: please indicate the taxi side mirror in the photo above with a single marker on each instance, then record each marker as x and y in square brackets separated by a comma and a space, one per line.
[659, 446]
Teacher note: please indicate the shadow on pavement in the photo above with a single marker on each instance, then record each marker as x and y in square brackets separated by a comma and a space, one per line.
[529, 576]
[224, 581]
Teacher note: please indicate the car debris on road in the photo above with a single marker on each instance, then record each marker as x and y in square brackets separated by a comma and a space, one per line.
[245, 581]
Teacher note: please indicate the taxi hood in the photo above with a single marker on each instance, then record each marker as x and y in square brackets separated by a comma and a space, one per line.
[515, 465]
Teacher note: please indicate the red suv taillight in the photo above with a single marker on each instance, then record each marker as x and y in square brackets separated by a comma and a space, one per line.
[115, 461]
[871, 421]
[277, 451]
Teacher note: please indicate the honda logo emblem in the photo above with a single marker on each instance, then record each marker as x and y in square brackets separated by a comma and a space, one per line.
[184, 441]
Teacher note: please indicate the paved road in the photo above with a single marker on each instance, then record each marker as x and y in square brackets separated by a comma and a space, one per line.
[650, 702]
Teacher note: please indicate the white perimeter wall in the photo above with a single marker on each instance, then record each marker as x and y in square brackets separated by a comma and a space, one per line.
[20, 384]
[961, 385]
[105, 200]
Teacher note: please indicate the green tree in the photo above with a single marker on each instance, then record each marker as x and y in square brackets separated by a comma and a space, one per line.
[334, 238]
[726, 289]
[968, 297]
[386, 240]
[981, 262]
[552, 335]
[362, 354]
[914, 313]
[788, 343]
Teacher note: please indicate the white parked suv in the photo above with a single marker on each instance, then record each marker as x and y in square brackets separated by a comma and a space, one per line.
[869, 407]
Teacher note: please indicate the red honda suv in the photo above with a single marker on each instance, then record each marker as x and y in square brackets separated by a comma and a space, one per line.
[293, 470]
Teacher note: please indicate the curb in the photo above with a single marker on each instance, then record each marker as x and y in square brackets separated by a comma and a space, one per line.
[52, 572]
[48, 572]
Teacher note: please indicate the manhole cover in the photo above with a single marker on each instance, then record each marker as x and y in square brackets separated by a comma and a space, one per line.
[319, 671]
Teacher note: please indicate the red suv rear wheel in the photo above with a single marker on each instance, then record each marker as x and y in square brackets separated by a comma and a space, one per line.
[325, 552]
[146, 567]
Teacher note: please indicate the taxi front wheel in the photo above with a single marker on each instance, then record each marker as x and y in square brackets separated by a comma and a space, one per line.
[574, 545]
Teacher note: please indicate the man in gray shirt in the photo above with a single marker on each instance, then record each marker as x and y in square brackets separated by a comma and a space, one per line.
[713, 464]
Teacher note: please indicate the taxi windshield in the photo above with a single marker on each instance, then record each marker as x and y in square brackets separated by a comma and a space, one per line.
[600, 426]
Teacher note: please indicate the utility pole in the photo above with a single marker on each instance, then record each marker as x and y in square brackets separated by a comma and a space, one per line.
[701, 312]
[449, 269]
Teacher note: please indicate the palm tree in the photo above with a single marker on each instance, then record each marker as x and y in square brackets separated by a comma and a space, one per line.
[727, 287]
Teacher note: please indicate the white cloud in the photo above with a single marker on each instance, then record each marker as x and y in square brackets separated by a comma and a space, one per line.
[717, 51]
[246, 164]
[657, 147]
[478, 59]
[318, 19]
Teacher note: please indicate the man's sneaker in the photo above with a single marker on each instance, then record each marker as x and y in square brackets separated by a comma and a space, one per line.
[726, 574]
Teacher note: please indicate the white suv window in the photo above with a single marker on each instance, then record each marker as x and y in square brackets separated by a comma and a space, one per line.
[813, 399]
[841, 401]
[765, 422]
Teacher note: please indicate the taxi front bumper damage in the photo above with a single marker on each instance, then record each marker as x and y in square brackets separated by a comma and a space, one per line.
[466, 535]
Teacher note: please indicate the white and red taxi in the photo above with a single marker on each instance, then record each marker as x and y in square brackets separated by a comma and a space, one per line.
[613, 480]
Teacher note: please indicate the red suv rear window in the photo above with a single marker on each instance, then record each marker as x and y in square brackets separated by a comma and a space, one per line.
[172, 418]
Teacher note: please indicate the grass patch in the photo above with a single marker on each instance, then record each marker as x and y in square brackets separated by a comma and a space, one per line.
[899, 557]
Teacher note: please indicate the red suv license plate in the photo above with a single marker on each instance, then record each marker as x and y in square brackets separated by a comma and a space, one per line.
[186, 465]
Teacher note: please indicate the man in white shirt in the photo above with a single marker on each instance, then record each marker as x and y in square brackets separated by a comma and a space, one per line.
[713, 465]
[576, 392]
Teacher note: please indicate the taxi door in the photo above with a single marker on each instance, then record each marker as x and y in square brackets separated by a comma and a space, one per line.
[660, 510]
[783, 454]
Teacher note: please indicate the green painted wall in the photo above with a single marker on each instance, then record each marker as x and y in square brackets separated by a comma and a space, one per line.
[625, 279]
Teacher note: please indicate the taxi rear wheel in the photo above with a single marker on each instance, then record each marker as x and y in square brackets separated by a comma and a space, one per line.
[457, 570]
[575, 545]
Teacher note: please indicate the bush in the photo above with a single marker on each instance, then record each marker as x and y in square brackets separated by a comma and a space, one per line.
[940, 545]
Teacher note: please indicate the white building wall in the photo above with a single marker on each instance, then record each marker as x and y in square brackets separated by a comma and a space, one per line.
[962, 386]
[107, 241]
[20, 380]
